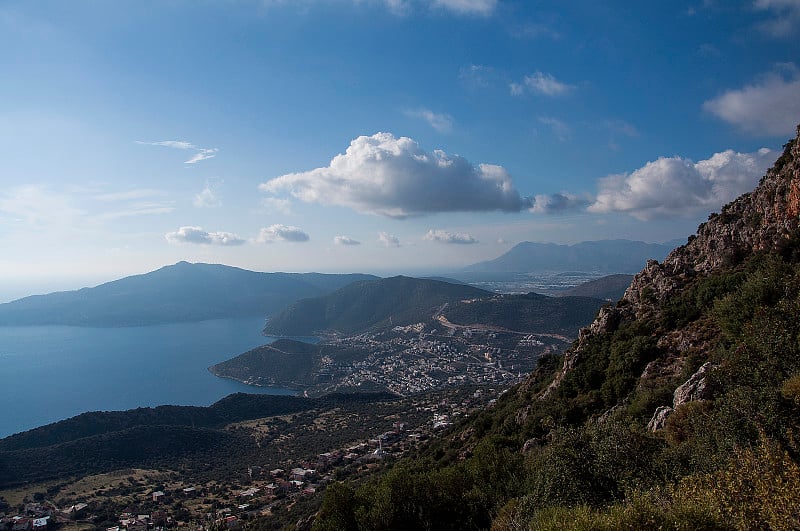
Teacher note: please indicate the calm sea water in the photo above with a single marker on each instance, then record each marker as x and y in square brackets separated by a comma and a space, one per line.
[49, 373]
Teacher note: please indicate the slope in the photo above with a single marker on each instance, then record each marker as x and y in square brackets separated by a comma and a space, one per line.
[530, 313]
[678, 408]
[368, 305]
[610, 287]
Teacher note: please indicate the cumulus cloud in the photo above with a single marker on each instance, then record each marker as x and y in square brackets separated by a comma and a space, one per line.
[278, 232]
[558, 203]
[770, 106]
[441, 122]
[443, 236]
[468, 7]
[388, 240]
[541, 83]
[676, 186]
[199, 236]
[345, 240]
[200, 153]
[395, 177]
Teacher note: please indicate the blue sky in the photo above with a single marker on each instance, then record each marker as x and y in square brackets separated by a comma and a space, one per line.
[374, 135]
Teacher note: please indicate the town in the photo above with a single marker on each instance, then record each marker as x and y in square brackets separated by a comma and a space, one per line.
[424, 357]
[267, 490]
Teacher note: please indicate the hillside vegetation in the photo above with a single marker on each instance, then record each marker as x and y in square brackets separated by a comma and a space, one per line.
[610, 287]
[285, 363]
[161, 437]
[370, 304]
[678, 408]
[530, 313]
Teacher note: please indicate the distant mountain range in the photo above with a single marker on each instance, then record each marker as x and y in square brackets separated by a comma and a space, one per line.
[369, 304]
[612, 256]
[178, 293]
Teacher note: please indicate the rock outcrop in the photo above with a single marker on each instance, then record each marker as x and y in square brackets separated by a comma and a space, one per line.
[765, 219]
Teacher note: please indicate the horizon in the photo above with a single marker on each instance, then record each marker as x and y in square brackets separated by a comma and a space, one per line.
[9, 293]
[380, 135]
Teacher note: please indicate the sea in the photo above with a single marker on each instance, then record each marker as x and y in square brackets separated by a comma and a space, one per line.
[50, 373]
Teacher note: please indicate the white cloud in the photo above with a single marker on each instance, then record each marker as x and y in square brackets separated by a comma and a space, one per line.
[559, 129]
[558, 203]
[541, 83]
[140, 193]
[477, 76]
[388, 240]
[197, 235]
[769, 107]
[395, 177]
[468, 7]
[443, 236]
[675, 186]
[200, 153]
[441, 122]
[345, 240]
[138, 208]
[37, 207]
[279, 232]
[207, 197]
[784, 16]
[274, 204]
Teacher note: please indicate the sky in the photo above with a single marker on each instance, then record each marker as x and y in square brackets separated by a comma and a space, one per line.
[383, 136]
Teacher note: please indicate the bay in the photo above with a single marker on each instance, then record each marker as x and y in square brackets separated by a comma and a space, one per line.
[50, 373]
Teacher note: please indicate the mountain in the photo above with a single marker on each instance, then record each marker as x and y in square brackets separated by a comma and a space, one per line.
[677, 408]
[613, 256]
[176, 293]
[369, 304]
[530, 313]
[610, 287]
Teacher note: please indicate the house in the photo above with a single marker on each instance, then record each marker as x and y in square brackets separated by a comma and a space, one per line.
[158, 496]
[190, 492]
[40, 524]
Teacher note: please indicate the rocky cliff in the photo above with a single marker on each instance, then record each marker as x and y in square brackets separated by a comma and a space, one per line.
[765, 220]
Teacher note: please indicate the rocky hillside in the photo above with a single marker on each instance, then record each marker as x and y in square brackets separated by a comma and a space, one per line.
[677, 408]
[763, 221]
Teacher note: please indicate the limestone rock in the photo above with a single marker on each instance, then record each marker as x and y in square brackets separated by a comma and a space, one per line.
[659, 419]
[695, 388]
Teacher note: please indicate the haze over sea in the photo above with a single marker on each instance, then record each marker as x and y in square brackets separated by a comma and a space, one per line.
[55, 372]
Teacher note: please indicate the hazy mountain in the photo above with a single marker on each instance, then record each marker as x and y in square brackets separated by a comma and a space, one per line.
[610, 287]
[369, 304]
[613, 256]
[176, 293]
